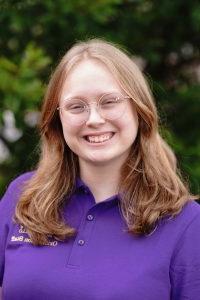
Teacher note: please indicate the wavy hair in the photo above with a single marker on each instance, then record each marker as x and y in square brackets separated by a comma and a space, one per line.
[150, 184]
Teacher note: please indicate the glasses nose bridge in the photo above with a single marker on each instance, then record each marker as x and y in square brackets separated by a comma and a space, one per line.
[94, 113]
[93, 104]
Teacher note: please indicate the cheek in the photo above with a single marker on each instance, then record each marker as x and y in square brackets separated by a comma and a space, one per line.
[130, 122]
[129, 128]
[69, 135]
[73, 139]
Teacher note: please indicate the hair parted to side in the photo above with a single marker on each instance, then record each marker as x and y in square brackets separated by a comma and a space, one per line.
[150, 184]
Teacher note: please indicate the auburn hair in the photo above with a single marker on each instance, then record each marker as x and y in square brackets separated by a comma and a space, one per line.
[150, 184]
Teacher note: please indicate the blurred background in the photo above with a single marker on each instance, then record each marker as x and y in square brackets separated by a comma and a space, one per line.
[162, 36]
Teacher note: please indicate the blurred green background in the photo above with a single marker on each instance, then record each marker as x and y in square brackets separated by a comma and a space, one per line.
[163, 36]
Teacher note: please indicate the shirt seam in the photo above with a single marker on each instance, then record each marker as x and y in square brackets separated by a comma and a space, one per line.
[175, 252]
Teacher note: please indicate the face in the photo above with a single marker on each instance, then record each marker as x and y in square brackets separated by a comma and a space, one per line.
[98, 141]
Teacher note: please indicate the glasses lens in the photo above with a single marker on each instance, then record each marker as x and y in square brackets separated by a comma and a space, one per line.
[75, 111]
[112, 106]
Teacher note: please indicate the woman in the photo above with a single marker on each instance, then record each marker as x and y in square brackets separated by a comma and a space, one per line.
[104, 215]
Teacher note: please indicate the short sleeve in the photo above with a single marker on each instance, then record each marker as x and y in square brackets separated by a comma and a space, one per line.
[7, 208]
[4, 228]
[185, 267]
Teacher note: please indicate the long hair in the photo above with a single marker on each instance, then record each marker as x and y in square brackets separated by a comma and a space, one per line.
[150, 184]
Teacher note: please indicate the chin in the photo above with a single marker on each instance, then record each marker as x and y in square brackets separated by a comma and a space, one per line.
[98, 160]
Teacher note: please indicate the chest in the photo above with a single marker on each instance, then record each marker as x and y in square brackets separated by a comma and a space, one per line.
[102, 261]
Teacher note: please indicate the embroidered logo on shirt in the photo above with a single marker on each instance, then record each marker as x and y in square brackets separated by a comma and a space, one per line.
[26, 239]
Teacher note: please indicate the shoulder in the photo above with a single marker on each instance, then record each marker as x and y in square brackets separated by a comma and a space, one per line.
[192, 208]
[13, 191]
[17, 182]
[184, 218]
[189, 220]
[187, 228]
[182, 228]
[189, 214]
[191, 217]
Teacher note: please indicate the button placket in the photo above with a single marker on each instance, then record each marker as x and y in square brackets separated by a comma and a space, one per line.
[82, 240]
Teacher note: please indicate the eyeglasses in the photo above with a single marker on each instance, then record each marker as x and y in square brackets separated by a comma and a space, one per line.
[75, 111]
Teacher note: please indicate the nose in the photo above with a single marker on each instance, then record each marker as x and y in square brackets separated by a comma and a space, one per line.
[94, 116]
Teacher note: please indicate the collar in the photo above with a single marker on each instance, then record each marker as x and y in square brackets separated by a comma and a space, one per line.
[79, 183]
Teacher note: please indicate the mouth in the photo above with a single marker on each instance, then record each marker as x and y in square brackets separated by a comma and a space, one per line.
[99, 139]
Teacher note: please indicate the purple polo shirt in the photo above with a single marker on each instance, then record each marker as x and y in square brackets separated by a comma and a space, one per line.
[103, 261]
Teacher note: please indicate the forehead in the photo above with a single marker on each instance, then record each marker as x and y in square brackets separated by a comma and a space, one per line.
[89, 78]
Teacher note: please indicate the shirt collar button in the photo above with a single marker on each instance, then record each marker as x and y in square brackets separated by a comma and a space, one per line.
[86, 191]
[90, 217]
[81, 242]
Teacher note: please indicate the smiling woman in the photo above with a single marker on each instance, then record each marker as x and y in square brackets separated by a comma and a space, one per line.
[104, 215]
[104, 135]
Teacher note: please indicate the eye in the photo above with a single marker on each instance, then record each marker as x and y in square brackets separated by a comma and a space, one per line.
[74, 106]
[110, 100]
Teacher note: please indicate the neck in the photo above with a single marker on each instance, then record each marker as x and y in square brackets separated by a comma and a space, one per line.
[103, 180]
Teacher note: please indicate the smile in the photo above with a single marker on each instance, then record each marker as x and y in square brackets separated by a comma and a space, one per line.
[100, 138]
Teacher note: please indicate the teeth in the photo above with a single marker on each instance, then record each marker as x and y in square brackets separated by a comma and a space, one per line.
[99, 139]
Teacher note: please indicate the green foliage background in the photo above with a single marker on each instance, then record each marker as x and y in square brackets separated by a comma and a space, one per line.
[165, 34]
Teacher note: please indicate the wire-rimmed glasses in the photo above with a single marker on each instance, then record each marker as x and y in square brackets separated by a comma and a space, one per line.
[76, 111]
